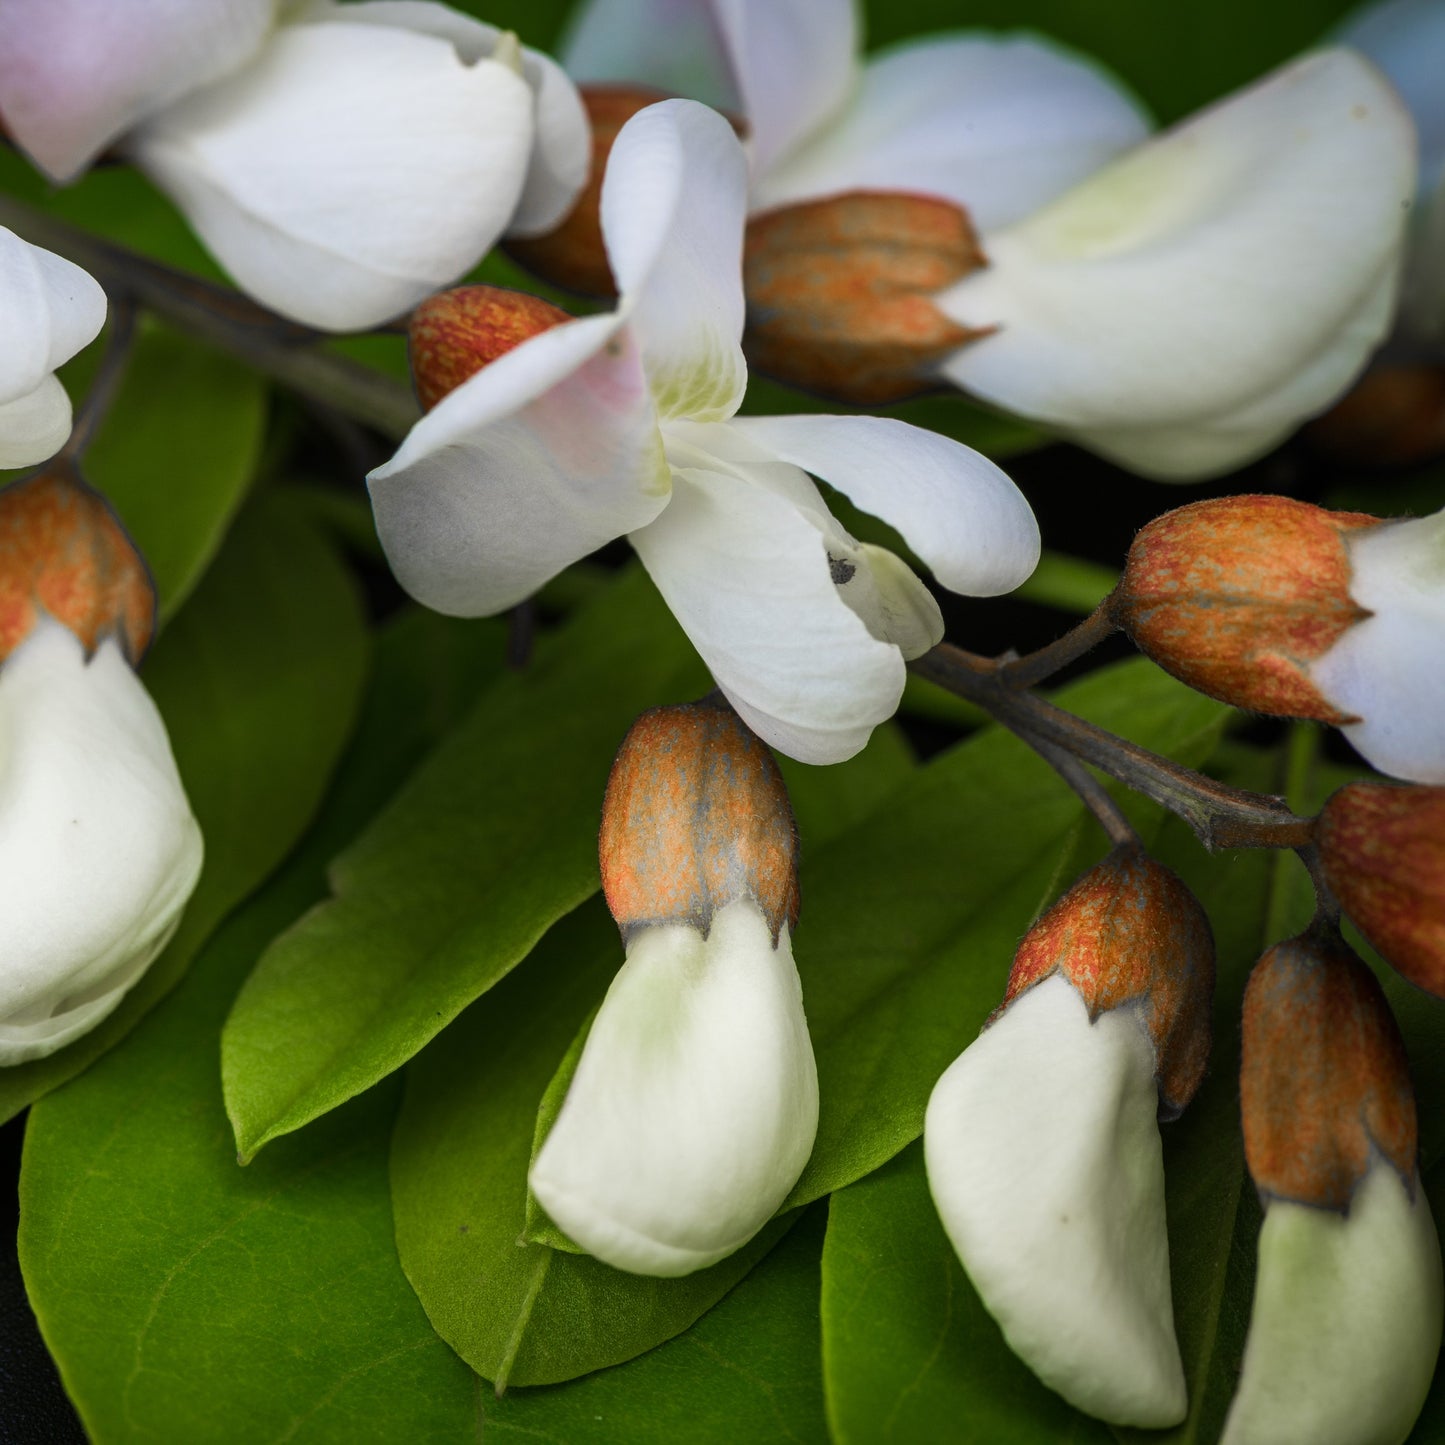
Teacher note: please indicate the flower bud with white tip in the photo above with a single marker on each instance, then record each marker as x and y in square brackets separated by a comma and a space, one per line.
[1042, 1141]
[1346, 1322]
[97, 843]
[695, 1101]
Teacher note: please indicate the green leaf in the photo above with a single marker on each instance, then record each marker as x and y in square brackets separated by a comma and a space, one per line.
[909, 1352]
[488, 845]
[518, 1313]
[748, 1370]
[187, 1299]
[258, 681]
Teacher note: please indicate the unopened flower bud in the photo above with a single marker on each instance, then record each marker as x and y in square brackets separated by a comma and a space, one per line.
[451, 336]
[574, 256]
[1383, 850]
[840, 293]
[1394, 417]
[695, 1101]
[1346, 1322]
[64, 554]
[1042, 1142]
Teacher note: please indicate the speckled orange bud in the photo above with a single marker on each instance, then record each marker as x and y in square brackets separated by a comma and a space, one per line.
[63, 552]
[1239, 595]
[840, 293]
[696, 817]
[1383, 850]
[1129, 932]
[1394, 417]
[454, 334]
[573, 255]
[1323, 1080]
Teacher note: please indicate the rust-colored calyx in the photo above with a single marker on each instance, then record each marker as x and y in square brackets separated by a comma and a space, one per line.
[1393, 417]
[1129, 932]
[63, 552]
[1323, 1081]
[1240, 595]
[841, 291]
[1383, 850]
[454, 334]
[696, 817]
[573, 256]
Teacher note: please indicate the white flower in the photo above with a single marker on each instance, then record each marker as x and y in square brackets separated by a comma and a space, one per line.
[51, 309]
[98, 847]
[1185, 308]
[695, 1102]
[1045, 1163]
[996, 124]
[342, 164]
[623, 424]
[1389, 669]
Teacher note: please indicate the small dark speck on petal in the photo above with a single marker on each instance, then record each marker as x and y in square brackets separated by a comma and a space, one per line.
[840, 569]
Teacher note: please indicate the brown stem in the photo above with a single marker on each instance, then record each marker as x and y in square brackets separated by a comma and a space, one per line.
[1033, 668]
[1221, 816]
[1093, 793]
[119, 343]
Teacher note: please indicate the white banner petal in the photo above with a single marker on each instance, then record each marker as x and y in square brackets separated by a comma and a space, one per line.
[748, 574]
[1204, 269]
[674, 201]
[998, 124]
[954, 507]
[51, 309]
[350, 170]
[76, 74]
[543, 456]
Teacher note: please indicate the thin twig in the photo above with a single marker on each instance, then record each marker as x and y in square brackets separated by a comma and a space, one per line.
[119, 343]
[521, 633]
[1035, 667]
[1094, 794]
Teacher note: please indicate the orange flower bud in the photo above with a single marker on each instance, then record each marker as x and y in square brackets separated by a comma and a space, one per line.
[1394, 416]
[840, 293]
[573, 255]
[64, 552]
[1383, 850]
[454, 334]
[1323, 1081]
[696, 816]
[1239, 595]
[1130, 932]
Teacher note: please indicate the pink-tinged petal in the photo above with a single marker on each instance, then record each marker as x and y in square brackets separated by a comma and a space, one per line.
[997, 124]
[673, 205]
[750, 576]
[954, 507]
[350, 170]
[76, 74]
[545, 455]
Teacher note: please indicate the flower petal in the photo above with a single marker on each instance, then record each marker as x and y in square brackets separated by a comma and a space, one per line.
[953, 506]
[76, 74]
[749, 573]
[543, 456]
[673, 205]
[695, 1102]
[350, 170]
[98, 847]
[1044, 1160]
[1389, 669]
[998, 124]
[34, 426]
[1205, 269]
[51, 308]
[1345, 1328]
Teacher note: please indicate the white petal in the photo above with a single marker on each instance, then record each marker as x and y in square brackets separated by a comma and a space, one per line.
[1044, 1160]
[543, 456]
[1345, 1328]
[953, 506]
[98, 847]
[673, 204]
[76, 74]
[1204, 269]
[675, 46]
[746, 570]
[695, 1102]
[51, 309]
[350, 170]
[1389, 670]
[998, 124]
[35, 426]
